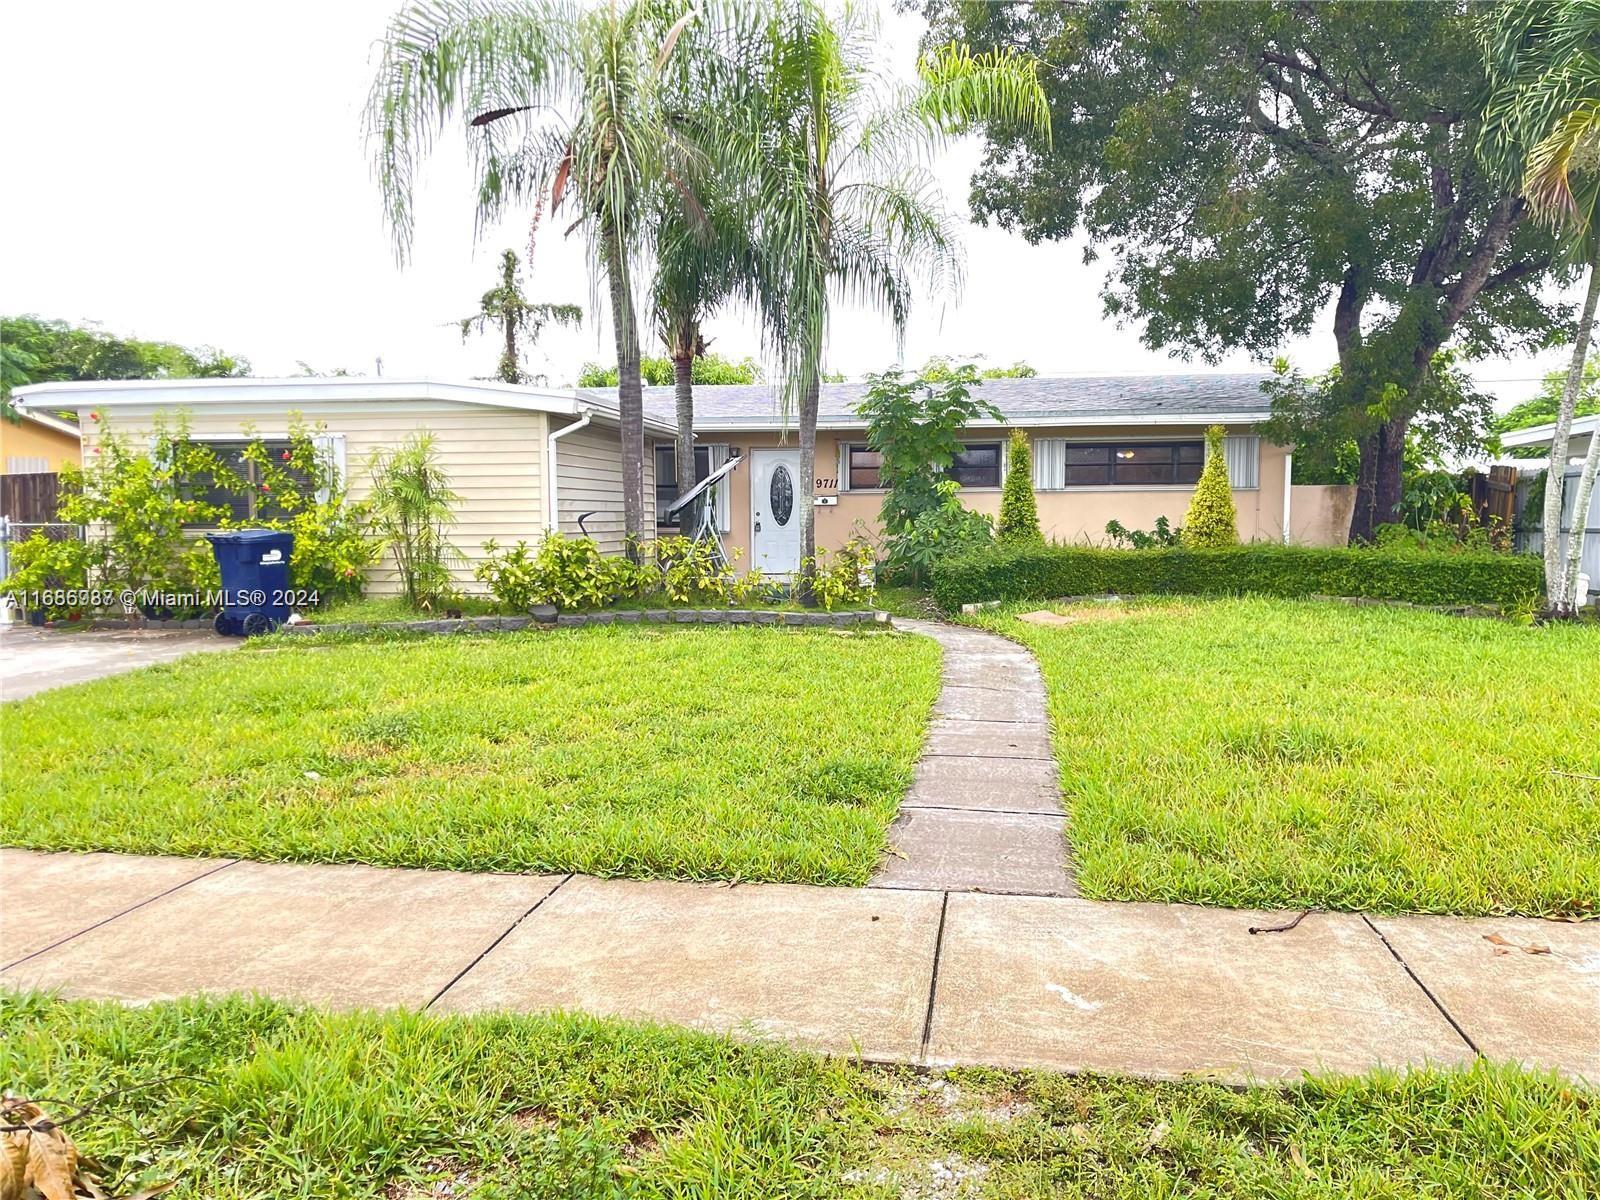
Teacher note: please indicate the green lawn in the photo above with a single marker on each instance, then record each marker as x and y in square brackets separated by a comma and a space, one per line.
[264, 1101]
[693, 753]
[1278, 754]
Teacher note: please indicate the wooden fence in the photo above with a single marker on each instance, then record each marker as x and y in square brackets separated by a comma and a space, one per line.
[29, 499]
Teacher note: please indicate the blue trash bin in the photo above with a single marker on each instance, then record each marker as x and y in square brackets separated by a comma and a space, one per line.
[255, 579]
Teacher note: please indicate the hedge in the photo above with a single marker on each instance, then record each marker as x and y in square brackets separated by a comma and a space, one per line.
[1052, 571]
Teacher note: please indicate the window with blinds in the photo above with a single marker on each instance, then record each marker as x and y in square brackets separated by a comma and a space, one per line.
[1061, 463]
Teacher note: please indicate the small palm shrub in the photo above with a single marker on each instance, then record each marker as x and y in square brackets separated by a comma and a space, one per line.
[1019, 509]
[414, 509]
[1211, 521]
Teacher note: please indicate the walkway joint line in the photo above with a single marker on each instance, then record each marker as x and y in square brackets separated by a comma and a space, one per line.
[489, 949]
[119, 915]
[1426, 990]
[933, 981]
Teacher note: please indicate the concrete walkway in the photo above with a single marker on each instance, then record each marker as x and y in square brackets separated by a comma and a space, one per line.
[32, 660]
[984, 811]
[899, 974]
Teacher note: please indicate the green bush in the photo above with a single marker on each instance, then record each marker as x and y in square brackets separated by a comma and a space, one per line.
[1052, 571]
[1019, 509]
[42, 567]
[847, 579]
[1211, 520]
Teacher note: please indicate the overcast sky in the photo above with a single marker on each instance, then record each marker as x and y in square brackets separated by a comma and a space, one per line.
[195, 172]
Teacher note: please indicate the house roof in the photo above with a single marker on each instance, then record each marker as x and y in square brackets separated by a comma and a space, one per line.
[1543, 435]
[1105, 400]
[286, 393]
[49, 421]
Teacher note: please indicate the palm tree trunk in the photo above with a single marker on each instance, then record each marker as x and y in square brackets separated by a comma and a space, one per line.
[630, 390]
[1558, 599]
[683, 456]
[810, 401]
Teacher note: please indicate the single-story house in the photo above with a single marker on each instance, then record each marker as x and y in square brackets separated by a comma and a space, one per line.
[1128, 448]
[39, 444]
[525, 460]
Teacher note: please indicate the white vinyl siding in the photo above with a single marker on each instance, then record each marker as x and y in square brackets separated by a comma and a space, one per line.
[493, 457]
[589, 480]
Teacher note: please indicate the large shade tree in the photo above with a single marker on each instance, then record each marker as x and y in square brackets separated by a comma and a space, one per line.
[563, 107]
[1542, 132]
[847, 208]
[1255, 169]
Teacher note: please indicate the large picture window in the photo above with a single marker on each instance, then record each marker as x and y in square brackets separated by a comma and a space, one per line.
[977, 465]
[1126, 464]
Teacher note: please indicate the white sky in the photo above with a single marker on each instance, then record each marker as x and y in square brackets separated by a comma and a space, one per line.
[195, 172]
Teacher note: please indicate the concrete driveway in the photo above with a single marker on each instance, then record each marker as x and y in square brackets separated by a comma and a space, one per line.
[32, 660]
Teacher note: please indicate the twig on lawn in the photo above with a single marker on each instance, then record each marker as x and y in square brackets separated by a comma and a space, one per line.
[44, 1126]
[1283, 928]
[1576, 775]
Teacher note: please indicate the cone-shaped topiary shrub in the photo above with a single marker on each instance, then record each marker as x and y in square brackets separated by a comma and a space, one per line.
[1019, 511]
[1211, 520]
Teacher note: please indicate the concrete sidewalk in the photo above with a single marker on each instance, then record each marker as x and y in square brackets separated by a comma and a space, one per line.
[921, 976]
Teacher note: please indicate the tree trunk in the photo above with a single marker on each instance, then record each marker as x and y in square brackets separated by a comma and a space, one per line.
[508, 360]
[1557, 598]
[683, 455]
[810, 399]
[630, 391]
[1380, 483]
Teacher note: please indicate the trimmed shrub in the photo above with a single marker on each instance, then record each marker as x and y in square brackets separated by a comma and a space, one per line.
[1019, 509]
[1051, 571]
[1211, 520]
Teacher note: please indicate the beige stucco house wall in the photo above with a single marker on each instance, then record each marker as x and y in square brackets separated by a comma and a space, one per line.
[493, 442]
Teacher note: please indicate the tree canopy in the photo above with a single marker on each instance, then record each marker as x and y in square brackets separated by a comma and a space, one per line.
[1245, 167]
[39, 350]
[709, 369]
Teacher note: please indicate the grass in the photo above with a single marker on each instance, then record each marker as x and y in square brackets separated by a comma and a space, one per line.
[264, 1101]
[1258, 753]
[689, 753]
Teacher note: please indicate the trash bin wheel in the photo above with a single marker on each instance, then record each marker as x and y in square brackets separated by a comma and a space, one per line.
[224, 625]
[256, 624]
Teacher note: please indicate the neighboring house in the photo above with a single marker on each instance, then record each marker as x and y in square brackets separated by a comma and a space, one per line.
[39, 444]
[500, 445]
[1122, 448]
[1539, 437]
[1128, 449]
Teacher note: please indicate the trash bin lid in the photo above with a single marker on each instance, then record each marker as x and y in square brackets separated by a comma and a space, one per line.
[248, 535]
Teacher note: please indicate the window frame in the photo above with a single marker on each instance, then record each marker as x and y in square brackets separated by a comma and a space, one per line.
[272, 444]
[847, 480]
[1110, 446]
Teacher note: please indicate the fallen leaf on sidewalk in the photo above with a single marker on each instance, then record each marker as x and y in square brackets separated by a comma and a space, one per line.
[1503, 946]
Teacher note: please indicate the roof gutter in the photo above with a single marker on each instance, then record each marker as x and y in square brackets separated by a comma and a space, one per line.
[552, 509]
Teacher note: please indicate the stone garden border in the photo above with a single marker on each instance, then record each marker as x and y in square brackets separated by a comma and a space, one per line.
[1449, 610]
[635, 616]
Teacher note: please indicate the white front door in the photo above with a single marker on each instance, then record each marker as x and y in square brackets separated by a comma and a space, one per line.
[775, 511]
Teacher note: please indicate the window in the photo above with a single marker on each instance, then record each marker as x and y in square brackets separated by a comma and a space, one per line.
[1112, 464]
[976, 465]
[667, 478]
[861, 468]
[252, 504]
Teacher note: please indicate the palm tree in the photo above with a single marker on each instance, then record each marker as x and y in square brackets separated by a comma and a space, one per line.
[518, 317]
[1541, 130]
[562, 105]
[848, 210]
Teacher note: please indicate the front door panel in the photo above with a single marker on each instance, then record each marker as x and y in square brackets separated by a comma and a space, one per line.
[775, 511]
